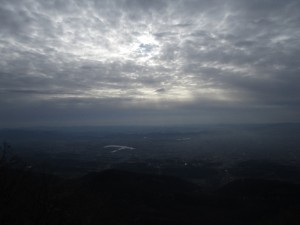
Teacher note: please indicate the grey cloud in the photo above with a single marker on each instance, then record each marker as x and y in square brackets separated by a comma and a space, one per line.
[160, 90]
[35, 92]
[193, 59]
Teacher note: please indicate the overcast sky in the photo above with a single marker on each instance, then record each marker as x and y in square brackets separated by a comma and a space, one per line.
[141, 62]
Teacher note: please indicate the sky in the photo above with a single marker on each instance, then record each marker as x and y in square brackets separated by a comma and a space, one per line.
[149, 62]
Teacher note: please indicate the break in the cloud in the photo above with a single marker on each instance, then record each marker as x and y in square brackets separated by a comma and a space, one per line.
[149, 61]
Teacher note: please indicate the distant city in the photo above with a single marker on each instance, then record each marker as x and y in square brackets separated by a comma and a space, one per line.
[210, 155]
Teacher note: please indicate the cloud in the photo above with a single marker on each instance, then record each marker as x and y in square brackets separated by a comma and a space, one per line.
[160, 90]
[218, 60]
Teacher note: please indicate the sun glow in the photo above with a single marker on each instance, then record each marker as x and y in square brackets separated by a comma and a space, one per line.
[147, 39]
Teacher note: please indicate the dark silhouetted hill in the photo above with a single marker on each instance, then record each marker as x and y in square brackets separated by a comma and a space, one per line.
[119, 197]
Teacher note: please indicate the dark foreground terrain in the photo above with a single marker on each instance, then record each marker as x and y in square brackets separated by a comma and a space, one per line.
[233, 174]
[119, 197]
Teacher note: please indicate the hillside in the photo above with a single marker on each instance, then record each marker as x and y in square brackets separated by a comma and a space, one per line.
[119, 197]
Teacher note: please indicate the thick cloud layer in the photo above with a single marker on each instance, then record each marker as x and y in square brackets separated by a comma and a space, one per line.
[73, 62]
